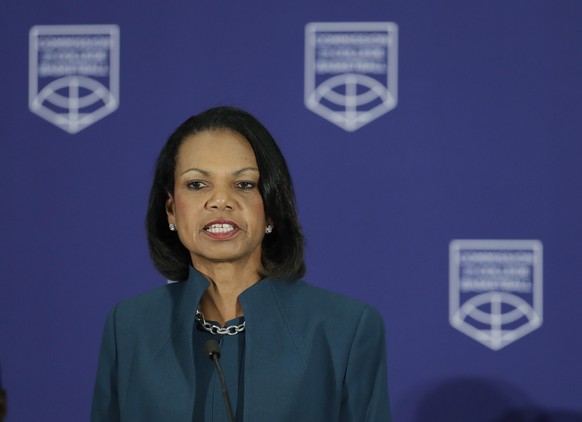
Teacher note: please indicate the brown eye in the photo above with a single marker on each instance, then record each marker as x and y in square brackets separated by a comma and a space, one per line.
[195, 185]
[246, 185]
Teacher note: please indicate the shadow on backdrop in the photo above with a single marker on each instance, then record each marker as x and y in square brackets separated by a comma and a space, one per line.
[474, 400]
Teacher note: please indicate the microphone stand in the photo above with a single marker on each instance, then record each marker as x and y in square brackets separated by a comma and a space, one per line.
[213, 351]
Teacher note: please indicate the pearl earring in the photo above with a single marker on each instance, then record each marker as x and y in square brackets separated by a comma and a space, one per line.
[172, 227]
[268, 229]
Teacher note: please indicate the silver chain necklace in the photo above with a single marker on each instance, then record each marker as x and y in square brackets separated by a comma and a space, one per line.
[231, 330]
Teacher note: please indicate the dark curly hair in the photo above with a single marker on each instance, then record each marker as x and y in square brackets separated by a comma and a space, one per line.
[282, 250]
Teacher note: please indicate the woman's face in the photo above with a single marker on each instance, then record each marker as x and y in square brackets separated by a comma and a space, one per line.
[216, 206]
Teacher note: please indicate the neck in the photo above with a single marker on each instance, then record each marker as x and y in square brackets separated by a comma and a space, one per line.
[220, 301]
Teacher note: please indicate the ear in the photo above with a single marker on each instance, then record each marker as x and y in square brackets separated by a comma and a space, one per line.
[171, 209]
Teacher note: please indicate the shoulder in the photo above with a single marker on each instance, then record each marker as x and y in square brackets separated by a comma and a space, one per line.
[147, 306]
[327, 325]
[305, 293]
[319, 303]
[152, 297]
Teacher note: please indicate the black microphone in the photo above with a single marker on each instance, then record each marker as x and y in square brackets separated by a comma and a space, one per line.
[213, 351]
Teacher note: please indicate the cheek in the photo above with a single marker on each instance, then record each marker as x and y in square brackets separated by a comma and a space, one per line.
[182, 207]
[258, 209]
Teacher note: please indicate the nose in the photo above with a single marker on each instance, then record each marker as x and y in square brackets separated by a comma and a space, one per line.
[220, 199]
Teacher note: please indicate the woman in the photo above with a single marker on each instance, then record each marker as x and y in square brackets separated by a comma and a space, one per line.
[222, 222]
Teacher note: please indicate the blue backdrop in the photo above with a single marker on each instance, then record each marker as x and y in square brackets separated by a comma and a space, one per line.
[484, 143]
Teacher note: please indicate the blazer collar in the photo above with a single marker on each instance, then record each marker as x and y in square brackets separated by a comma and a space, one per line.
[185, 301]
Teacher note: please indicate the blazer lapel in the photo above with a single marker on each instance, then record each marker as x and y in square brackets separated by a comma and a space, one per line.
[269, 386]
[176, 358]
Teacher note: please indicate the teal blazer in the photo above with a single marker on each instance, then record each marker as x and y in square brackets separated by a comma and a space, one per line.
[311, 355]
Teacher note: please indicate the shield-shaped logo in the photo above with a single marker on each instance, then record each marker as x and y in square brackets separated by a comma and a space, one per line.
[351, 71]
[73, 73]
[495, 289]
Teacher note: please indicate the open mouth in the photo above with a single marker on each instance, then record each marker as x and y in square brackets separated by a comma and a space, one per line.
[220, 228]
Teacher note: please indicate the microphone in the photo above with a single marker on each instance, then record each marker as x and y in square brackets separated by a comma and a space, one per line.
[213, 351]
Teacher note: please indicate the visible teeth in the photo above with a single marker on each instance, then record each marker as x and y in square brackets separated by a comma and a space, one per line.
[220, 228]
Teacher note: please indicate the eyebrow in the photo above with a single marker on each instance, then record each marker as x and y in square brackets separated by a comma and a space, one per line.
[234, 173]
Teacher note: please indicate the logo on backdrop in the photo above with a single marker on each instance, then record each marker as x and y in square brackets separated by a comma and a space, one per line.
[495, 289]
[73, 74]
[351, 71]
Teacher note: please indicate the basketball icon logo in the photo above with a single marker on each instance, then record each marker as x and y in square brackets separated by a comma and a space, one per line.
[495, 289]
[351, 71]
[74, 74]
